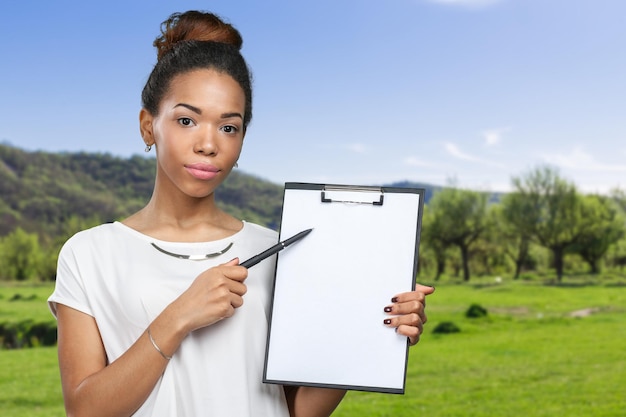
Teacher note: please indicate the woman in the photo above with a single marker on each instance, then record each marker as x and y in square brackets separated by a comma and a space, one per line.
[155, 315]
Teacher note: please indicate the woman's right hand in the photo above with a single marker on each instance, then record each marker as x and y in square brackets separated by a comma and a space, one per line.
[213, 296]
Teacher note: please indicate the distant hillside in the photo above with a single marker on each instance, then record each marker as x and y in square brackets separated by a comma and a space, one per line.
[430, 190]
[41, 191]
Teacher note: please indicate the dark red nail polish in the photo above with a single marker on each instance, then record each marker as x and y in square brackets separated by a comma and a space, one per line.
[394, 300]
[387, 309]
[387, 321]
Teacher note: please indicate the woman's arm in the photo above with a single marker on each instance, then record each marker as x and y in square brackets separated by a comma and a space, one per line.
[312, 402]
[408, 309]
[92, 387]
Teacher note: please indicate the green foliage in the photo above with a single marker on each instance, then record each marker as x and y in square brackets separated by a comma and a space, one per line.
[20, 256]
[617, 255]
[48, 189]
[596, 237]
[515, 220]
[25, 320]
[446, 327]
[555, 211]
[434, 246]
[249, 198]
[27, 333]
[459, 218]
[476, 311]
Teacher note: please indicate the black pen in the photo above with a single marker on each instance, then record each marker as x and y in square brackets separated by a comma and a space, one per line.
[274, 249]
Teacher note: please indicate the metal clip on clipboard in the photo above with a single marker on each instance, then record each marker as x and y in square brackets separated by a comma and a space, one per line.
[341, 190]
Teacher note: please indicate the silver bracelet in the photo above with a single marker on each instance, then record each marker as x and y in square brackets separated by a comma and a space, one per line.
[156, 346]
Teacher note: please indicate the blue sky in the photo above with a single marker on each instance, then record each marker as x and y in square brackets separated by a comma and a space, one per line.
[347, 91]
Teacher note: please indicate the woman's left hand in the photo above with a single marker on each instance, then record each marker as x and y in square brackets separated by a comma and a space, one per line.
[407, 313]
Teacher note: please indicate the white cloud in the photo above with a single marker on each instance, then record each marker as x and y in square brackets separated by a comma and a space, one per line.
[356, 147]
[579, 159]
[456, 152]
[416, 162]
[494, 136]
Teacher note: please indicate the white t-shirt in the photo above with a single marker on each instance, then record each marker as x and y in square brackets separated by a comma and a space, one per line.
[113, 273]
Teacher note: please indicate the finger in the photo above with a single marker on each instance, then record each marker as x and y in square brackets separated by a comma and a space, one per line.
[412, 319]
[413, 333]
[420, 292]
[232, 262]
[237, 288]
[236, 301]
[407, 307]
[234, 272]
[425, 289]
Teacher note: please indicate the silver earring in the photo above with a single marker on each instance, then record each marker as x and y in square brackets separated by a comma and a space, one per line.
[147, 148]
[236, 164]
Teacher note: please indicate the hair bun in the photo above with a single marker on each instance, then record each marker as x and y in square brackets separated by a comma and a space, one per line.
[195, 26]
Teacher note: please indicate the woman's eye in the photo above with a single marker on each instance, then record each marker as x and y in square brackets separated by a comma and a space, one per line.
[229, 129]
[185, 121]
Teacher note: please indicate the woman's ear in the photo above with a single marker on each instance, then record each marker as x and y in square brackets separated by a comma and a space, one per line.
[145, 127]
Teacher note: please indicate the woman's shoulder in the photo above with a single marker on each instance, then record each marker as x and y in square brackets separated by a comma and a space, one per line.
[101, 234]
[260, 232]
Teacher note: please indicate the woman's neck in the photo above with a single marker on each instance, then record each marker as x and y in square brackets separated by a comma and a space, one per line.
[183, 219]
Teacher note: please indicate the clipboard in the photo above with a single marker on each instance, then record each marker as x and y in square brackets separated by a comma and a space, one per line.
[330, 288]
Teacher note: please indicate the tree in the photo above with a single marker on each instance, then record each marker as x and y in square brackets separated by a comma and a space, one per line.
[619, 197]
[617, 255]
[516, 218]
[557, 209]
[20, 255]
[431, 225]
[603, 226]
[489, 252]
[460, 216]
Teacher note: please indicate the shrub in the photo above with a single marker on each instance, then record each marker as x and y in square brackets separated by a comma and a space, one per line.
[26, 333]
[20, 297]
[446, 327]
[476, 311]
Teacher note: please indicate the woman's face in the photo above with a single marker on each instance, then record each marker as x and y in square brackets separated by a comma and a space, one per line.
[198, 132]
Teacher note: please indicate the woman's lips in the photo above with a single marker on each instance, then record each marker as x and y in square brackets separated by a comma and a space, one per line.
[202, 171]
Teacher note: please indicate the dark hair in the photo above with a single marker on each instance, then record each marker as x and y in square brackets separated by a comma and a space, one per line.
[196, 40]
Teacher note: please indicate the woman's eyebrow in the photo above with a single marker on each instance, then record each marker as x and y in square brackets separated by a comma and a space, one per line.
[199, 111]
[190, 107]
[229, 115]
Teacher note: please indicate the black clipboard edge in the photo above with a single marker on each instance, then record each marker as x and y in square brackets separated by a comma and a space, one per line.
[382, 390]
[320, 187]
[356, 188]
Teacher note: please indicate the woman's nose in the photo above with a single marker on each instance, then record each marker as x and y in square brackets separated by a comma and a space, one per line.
[206, 143]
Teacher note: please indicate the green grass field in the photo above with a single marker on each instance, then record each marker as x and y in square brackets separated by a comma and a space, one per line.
[531, 356]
